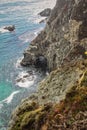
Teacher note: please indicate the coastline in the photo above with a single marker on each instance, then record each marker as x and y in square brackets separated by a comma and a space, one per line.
[12, 47]
[62, 96]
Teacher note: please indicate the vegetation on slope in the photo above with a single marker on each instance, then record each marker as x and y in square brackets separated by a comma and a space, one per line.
[69, 114]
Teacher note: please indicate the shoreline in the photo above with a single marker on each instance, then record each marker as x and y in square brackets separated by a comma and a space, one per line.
[6, 109]
[61, 98]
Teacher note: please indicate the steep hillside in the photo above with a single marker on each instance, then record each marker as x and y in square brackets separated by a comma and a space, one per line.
[69, 114]
[61, 101]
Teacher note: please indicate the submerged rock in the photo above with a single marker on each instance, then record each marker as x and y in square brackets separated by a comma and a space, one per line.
[10, 28]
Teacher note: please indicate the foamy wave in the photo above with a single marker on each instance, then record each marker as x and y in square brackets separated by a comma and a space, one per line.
[2, 30]
[29, 36]
[25, 79]
[36, 32]
[25, 83]
[9, 99]
[1, 105]
[47, 73]
[17, 65]
[39, 19]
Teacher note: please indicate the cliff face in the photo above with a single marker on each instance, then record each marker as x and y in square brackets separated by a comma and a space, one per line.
[69, 114]
[61, 101]
[55, 86]
[65, 37]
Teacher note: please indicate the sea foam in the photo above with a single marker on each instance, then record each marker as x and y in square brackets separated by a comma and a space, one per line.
[25, 80]
[29, 35]
[9, 99]
[2, 30]
[17, 64]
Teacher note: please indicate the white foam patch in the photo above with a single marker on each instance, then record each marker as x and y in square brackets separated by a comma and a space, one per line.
[1, 105]
[47, 73]
[17, 65]
[39, 19]
[25, 80]
[25, 83]
[9, 99]
[29, 36]
[2, 30]
[22, 74]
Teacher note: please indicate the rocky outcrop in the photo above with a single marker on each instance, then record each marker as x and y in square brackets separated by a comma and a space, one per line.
[64, 33]
[10, 28]
[45, 12]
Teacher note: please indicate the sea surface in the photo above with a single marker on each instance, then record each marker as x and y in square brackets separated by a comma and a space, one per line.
[17, 82]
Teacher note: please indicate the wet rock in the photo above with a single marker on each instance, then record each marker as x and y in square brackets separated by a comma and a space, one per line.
[41, 62]
[28, 60]
[19, 80]
[45, 12]
[25, 76]
[10, 28]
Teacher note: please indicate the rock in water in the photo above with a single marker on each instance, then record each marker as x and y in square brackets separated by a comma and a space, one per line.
[45, 12]
[10, 28]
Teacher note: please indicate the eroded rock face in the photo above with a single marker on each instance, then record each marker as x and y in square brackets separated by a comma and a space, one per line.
[45, 12]
[54, 87]
[65, 29]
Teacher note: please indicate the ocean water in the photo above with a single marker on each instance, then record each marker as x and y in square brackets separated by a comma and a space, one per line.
[17, 82]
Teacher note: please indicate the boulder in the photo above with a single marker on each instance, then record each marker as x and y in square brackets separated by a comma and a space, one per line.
[45, 12]
[10, 28]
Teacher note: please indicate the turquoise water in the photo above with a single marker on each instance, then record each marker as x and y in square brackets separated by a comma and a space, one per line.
[22, 14]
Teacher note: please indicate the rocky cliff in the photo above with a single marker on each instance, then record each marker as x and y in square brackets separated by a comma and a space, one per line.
[61, 101]
[64, 38]
[68, 114]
